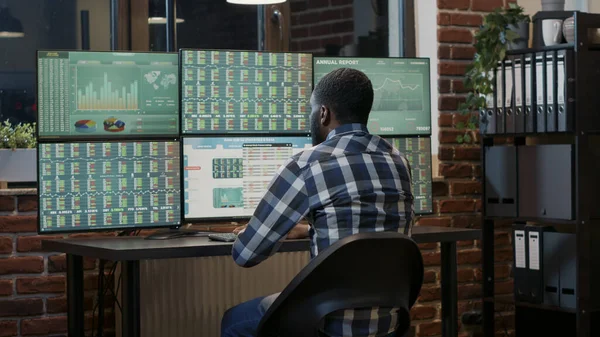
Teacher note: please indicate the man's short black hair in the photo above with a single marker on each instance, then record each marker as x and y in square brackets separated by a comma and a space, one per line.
[348, 92]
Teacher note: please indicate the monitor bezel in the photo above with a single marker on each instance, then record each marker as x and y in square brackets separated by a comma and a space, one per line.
[315, 58]
[97, 137]
[191, 220]
[101, 228]
[238, 132]
[386, 137]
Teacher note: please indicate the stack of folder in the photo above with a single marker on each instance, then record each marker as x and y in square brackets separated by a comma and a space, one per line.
[545, 266]
[532, 94]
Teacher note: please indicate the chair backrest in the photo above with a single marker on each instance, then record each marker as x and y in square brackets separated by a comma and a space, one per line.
[383, 269]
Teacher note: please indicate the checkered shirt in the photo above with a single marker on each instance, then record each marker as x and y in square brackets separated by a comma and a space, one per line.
[353, 182]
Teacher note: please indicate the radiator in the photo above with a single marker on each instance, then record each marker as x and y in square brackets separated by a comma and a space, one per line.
[187, 297]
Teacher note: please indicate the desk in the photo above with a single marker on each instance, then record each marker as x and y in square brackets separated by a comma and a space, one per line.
[130, 250]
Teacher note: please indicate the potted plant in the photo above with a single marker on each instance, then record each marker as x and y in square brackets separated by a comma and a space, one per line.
[18, 156]
[501, 31]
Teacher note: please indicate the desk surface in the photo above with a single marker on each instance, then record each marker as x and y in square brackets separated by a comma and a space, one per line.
[136, 248]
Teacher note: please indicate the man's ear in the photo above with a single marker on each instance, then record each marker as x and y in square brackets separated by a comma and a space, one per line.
[325, 115]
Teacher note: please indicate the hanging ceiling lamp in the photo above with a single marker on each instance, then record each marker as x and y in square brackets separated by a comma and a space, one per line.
[10, 27]
[157, 13]
[256, 2]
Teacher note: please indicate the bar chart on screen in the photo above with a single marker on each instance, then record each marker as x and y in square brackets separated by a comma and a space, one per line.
[104, 94]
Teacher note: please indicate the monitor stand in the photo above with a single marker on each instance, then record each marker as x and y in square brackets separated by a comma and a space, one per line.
[176, 233]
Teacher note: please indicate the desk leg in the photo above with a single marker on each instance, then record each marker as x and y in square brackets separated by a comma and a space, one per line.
[449, 290]
[130, 272]
[75, 310]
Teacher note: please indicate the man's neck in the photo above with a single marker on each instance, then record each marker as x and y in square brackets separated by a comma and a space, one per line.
[347, 128]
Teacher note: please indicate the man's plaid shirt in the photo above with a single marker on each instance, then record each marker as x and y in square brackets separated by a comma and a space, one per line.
[353, 182]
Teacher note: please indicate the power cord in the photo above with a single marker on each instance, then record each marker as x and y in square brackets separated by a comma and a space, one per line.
[105, 285]
[102, 291]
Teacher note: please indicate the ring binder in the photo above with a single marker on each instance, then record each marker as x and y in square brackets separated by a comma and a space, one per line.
[530, 125]
[540, 92]
[551, 86]
[500, 99]
[519, 93]
[508, 97]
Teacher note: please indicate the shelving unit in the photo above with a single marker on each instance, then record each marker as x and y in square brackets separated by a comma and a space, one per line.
[565, 194]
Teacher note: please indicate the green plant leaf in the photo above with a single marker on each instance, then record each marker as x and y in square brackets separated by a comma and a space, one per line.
[511, 35]
[460, 139]
[490, 49]
[460, 125]
[19, 136]
[467, 138]
[502, 55]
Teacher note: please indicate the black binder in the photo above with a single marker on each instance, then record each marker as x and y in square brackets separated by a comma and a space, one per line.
[509, 86]
[566, 87]
[488, 116]
[535, 262]
[500, 99]
[540, 93]
[568, 272]
[530, 114]
[550, 61]
[551, 259]
[519, 106]
[521, 285]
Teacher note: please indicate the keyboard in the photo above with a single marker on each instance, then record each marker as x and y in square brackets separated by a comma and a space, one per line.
[225, 237]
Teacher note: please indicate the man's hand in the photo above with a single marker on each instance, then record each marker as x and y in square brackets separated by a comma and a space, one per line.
[239, 230]
[298, 232]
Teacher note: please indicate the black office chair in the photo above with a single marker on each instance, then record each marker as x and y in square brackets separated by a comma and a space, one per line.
[365, 270]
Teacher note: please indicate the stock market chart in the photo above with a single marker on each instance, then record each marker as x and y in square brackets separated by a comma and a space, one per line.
[108, 185]
[245, 92]
[226, 177]
[402, 99]
[106, 94]
[417, 151]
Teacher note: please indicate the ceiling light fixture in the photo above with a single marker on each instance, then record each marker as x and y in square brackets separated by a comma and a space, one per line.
[255, 2]
[157, 13]
[10, 27]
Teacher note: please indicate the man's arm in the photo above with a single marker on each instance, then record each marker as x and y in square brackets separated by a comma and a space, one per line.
[284, 204]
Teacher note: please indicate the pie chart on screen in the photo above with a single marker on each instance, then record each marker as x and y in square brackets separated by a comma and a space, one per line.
[85, 126]
[112, 124]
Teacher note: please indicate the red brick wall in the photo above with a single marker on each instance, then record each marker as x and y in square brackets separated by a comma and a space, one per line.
[32, 282]
[317, 23]
[457, 195]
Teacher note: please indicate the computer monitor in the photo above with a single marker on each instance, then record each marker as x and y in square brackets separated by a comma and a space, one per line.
[226, 177]
[402, 103]
[100, 95]
[92, 186]
[417, 151]
[245, 92]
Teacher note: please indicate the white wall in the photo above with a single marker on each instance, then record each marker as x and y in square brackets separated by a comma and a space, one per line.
[426, 22]
[594, 6]
[99, 23]
[533, 6]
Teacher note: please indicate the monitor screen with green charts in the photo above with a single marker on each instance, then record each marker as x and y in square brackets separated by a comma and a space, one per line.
[245, 92]
[417, 151]
[402, 102]
[88, 95]
[91, 186]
